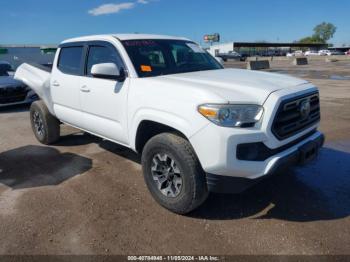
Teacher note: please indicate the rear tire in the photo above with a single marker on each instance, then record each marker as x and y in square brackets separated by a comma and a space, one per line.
[173, 173]
[45, 126]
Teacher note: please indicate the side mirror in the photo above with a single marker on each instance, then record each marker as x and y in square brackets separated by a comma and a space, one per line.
[108, 71]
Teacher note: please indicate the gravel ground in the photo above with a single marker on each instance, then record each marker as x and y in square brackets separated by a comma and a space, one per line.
[87, 196]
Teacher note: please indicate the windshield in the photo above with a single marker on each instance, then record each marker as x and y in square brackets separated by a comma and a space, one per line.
[5, 69]
[164, 57]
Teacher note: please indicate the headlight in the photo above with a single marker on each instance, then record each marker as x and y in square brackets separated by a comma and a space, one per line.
[232, 115]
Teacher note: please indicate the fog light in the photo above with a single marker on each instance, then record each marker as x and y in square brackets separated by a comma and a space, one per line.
[253, 152]
[247, 151]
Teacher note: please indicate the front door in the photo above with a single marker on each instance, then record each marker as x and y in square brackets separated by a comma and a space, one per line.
[104, 101]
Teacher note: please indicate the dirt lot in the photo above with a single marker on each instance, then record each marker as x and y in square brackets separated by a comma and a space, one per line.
[87, 196]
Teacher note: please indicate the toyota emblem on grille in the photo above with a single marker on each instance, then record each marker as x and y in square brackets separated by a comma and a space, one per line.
[304, 109]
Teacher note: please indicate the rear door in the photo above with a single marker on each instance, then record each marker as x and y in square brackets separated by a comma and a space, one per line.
[65, 84]
[104, 101]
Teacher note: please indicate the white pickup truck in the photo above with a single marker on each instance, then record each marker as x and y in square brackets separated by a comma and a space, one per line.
[199, 127]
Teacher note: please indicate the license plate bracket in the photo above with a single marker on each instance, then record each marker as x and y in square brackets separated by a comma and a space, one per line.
[308, 152]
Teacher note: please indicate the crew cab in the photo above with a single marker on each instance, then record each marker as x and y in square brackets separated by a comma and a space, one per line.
[199, 127]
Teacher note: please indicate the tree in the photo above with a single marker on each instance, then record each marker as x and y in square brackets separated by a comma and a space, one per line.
[311, 40]
[324, 31]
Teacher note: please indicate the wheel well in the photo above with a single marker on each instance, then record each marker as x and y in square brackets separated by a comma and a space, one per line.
[148, 129]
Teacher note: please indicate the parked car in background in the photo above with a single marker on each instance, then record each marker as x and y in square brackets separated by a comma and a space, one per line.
[336, 52]
[231, 55]
[295, 53]
[13, 92]
[298, 53]
[324, 52]
[311, 53]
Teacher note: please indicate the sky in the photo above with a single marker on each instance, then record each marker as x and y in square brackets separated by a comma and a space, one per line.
[50, 22]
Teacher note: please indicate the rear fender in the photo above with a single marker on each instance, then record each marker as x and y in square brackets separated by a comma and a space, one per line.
[38, 80]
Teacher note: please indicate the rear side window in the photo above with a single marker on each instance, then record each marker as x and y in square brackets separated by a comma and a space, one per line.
[70, 60]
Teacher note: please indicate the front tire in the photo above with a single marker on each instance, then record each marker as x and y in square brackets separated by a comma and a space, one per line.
[173, 173]
[45, 126]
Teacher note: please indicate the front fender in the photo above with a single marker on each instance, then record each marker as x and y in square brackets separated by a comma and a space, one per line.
[186, 127]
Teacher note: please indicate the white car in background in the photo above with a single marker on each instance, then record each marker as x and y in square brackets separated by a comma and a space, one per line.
[295, 53]
[311, 53]
[324, 53]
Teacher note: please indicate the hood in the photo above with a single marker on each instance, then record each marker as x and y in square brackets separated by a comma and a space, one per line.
[6, 81]
[237, 85]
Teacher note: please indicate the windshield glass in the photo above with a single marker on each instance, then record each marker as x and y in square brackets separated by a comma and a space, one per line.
[164, 57]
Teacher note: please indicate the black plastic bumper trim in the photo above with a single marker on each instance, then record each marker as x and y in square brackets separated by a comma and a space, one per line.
[262, 152]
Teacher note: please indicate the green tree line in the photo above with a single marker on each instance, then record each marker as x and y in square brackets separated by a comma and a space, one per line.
[322, 33]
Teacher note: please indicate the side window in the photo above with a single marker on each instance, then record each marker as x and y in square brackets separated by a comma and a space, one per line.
[100, 55]
[70, 60]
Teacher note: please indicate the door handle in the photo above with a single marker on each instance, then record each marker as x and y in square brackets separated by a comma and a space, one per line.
[55, 83]
[85, 89]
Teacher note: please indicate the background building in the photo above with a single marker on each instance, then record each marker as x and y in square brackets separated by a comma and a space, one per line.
[263, 48]
[17, 55]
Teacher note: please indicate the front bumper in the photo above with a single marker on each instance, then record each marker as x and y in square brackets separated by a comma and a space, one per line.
[217, 147]
[302, 155]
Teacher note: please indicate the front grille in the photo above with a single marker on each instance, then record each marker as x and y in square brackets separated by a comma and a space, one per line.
[13, 94]
[294, 115]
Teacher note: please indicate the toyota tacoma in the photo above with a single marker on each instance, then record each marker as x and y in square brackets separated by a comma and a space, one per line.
[199, 127]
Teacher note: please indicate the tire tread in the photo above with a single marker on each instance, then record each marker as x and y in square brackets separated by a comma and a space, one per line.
[51, 123]
[198, 179]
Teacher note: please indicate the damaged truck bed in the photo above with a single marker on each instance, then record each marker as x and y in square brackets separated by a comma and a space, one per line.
[37, 77]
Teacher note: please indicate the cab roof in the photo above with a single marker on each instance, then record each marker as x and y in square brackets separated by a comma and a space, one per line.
[122, 37]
